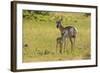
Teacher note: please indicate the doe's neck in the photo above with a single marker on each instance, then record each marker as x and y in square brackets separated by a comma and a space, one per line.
[61, 28]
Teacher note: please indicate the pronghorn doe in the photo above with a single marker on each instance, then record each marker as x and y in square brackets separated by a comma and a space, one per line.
[68, 32]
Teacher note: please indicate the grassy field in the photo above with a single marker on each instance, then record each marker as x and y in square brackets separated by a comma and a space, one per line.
[40, 33]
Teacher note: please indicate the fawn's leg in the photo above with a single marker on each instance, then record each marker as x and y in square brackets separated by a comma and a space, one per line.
[56, 47]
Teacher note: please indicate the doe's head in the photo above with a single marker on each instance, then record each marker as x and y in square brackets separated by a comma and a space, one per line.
[58, 22]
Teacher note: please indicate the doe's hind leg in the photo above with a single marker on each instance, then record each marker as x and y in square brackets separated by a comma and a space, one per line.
[61, 51]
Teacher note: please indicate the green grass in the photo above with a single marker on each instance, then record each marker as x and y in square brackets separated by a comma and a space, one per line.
[40, 36]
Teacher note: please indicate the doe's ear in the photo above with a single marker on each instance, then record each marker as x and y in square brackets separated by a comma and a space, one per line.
[61, 18]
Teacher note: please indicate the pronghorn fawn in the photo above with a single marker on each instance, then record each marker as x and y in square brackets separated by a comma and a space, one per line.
[59, 44]
[68, 32]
